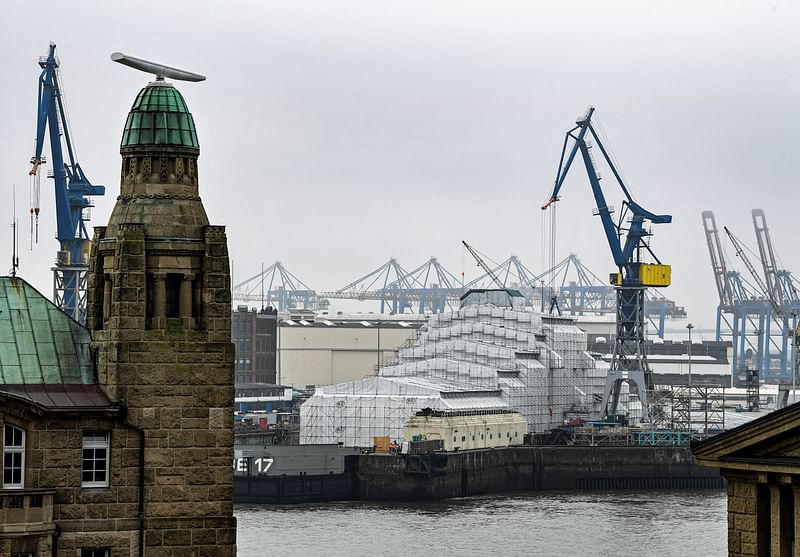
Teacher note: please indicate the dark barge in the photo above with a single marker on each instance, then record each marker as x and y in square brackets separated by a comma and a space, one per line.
[443, 475]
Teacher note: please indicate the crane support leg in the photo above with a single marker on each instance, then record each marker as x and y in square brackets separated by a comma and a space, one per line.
[629, 360]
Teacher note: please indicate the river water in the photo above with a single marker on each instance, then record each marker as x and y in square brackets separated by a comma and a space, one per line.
[614, 524]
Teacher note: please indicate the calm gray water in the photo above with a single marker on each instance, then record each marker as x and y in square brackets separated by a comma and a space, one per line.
[659, 523]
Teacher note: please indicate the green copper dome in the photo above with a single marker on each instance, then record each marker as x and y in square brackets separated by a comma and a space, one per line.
[159, 117]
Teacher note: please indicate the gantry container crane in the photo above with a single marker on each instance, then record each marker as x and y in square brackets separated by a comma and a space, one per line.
[740, 312]
[783, 291]
[753, 315]
[770, 313]
[72, 191]
[633, 276]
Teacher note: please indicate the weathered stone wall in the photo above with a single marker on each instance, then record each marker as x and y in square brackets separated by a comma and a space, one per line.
[159, 310]
[158, 307]
[93, 517]
[175, 379]
[742, 511]
[22, 545]
[177, 385]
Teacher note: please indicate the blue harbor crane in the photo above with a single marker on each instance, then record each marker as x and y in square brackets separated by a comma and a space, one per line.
[741, 314]
[627, 238]
[745, 315]
[774, 350]
[72, 191]
[782, 289]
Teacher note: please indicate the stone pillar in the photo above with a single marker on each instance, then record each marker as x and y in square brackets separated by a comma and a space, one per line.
[107, 285]
[197, 300]
[159, 300]
[94, 283]
[775, 519]
[796, 520]
[185, 307]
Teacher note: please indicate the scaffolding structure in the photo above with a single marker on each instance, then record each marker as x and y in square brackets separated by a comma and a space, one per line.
[753, 388]
[478, 358]
[698, 409]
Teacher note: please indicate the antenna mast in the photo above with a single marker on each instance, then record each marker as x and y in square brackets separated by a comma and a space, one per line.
[14, 237]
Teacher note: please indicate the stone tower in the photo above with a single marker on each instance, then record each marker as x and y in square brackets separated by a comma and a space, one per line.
[159, 311]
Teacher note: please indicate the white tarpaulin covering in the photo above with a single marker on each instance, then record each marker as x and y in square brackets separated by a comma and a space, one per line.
[477, 358]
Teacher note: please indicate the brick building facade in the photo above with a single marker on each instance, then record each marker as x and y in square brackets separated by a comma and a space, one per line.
[117, 438]
[254, 334]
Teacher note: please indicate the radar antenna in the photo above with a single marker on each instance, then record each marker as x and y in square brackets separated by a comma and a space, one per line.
[159, 70]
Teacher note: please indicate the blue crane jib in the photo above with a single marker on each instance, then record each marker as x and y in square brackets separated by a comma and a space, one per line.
[72, 190]
[631, 222]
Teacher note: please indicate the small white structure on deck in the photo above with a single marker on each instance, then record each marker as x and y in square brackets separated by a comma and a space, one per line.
[472, 430]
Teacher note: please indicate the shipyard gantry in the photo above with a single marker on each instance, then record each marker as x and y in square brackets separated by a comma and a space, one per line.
[756, 312]
[431, 288]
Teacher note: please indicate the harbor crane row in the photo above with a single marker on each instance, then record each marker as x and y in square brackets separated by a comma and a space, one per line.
[633, 276]
[72, 191]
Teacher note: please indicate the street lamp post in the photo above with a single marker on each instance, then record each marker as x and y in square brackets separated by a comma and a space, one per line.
[690, 327]
[278, 351]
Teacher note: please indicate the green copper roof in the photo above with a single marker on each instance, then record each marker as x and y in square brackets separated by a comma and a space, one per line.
[159, 117]
[39, 344]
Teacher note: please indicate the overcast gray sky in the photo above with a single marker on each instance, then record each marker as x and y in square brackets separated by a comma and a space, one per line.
[337, 134]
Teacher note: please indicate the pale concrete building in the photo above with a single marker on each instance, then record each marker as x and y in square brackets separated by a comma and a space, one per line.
[323, 349]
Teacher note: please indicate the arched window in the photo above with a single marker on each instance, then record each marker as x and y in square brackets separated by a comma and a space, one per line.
[13, 457]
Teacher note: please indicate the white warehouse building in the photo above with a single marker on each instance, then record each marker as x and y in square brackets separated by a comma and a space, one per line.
[490, 355]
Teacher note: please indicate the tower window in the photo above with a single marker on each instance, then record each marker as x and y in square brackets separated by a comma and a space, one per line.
[173, 295]
[13, 457]
[105, 552]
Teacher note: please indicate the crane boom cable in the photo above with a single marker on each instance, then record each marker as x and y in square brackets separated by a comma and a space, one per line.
[611, 153]
[552, 243]
[71, 144]
[763, 290]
